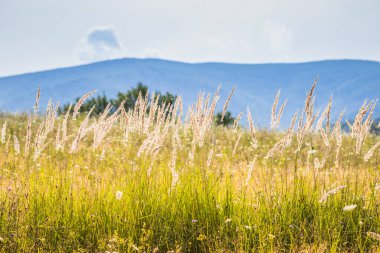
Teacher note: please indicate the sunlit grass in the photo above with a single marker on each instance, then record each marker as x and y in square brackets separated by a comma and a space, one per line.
[80, 202]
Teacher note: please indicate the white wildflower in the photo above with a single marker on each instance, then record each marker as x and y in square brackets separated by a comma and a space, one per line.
[373, 235]
[349, 208]
[119, 194]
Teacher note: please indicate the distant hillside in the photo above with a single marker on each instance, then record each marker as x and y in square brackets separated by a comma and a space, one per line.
[349, 81]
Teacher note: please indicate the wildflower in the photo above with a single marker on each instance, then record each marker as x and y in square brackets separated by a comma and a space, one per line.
[119, 194]
[194, 221]
[228, 220]
[349, 208]
[373, 235]
[247, 227]
[201, 237]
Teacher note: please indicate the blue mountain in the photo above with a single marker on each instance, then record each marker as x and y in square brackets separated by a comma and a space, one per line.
[348, 81]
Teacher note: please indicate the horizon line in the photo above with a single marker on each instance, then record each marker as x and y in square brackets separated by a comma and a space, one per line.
[183, 62]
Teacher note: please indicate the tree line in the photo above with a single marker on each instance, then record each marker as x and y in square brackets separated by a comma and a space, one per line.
[130, 97]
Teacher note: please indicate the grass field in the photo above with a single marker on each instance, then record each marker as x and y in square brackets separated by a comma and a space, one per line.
[156, 179]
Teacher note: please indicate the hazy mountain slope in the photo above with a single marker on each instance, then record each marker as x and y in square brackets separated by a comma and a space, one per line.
[349, 81]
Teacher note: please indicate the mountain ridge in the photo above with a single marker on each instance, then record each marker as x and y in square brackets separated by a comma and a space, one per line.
[185, 62]
[349, 81]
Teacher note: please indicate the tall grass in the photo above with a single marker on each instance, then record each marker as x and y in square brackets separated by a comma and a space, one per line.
[146, 180]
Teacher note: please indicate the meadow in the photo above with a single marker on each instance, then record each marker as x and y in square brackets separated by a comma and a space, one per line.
[157, 178]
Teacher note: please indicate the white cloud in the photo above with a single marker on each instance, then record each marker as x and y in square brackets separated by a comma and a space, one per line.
[100, 43]
[280, 38]
[221, 30]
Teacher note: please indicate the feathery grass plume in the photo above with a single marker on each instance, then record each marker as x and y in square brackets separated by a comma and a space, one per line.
[57, 138]
[249, 172]
[285, 141]
[279, 115]
[370, 152]
[143, 108]
[309, 125]
[45, 128]
[356, 125]
[373, 235]
[153, 159]
[275, 148]
[331, 192]
[7, 144]
[152, 108]
[209, 158]
[309, 96]
[309, 108]
[201, 116]
[104, 149]
[237, 143]
[172, 164]
[328, 115]
[361, 126]
[227, 102]
[3, 132]
[325, 115]
[274, 108]
[252, 129]
[175, 178]
[236, 122]
[176, 115]
[275, 119]
[63, 138]
[80, 103]
[16, 145]
[38, 95]
[104, 124]
[300, 132]
[157, 136]
[28, 138]
[50, 115]
[317, 163]
[320, 164]
[337, 132]
[325, 138]
[39, 141]
[81, 132]
[289, 132]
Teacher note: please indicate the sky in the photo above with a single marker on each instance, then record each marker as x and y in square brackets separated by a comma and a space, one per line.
[44, 34]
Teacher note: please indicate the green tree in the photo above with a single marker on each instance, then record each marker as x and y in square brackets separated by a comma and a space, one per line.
[375, 129]
[130, 97]
[228, 120]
